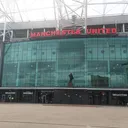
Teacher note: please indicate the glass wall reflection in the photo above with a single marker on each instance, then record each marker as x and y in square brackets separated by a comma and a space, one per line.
[94, 62]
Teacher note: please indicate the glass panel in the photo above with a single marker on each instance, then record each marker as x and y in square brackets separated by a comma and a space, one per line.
[9, 74]
[94, 62]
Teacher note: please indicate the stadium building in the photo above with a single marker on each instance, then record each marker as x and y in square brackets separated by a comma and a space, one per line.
[41, 63]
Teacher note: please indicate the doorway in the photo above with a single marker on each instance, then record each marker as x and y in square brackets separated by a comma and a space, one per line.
[98, 98]
[45, 97]
[121, 101]
[3, 98]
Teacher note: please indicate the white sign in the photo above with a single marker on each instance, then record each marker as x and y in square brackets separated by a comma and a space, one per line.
[10, 93]
[119, 94]
[28, 93]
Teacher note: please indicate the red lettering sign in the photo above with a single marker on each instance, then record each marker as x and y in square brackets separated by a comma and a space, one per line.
[94, 31]
[100, 30]
[108, 31]
[48, 33]
[43, 33]
[55, 33]
[114, 30]
[32, 34]
[89, 31]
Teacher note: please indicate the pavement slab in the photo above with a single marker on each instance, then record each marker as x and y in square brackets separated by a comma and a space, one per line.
[62, 116]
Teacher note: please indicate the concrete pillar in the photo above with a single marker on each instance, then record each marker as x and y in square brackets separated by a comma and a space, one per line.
[27, 33]
[123, 27]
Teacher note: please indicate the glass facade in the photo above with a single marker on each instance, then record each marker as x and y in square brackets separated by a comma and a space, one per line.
[94, 62]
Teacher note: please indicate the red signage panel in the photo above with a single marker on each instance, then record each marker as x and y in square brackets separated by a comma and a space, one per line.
[90, 31]
[55, 33]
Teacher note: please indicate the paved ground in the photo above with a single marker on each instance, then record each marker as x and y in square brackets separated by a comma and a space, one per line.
[47, 116]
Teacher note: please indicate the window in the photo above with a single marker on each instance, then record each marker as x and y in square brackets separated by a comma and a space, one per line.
[119, 27]
[126, 27]
[20, 33]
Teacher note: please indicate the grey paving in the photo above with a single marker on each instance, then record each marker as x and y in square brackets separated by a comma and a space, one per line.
[59, 116]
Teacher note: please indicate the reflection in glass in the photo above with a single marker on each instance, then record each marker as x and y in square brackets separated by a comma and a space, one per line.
[94, 62]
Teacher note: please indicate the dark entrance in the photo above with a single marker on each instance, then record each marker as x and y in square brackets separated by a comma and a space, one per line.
[27, 97]
[97, 98]
[45, 97]
[3, 97]
[119, 98]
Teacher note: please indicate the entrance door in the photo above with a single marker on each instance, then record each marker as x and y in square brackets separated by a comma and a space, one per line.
[94, 98]
[44, 99]
[3, 98]
[97, 99]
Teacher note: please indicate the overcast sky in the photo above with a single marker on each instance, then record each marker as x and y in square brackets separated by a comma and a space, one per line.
[36, 10]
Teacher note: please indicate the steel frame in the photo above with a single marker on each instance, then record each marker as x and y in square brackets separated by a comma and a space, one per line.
[84, 7]
[62, 11]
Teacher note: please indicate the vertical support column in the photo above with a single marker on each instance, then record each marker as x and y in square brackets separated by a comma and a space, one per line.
[109, 98]
[55, 14]
[86, 9]
[109, 76]
[35, 98]
[27, 33]
[57, 65]
[123, 27]
[11, 35]
[104, 28]
[4, 32]
[86, 71]
[85, 64]
[1, 61]
[36, 79]
[44, 30]
[18, 71]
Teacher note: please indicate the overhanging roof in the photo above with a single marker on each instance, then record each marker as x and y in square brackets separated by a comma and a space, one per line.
[65, 23]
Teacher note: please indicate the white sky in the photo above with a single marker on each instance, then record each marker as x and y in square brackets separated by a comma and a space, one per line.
[36, 10]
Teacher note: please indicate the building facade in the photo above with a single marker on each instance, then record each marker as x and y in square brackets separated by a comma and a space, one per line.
[37, 71]
[97, 64]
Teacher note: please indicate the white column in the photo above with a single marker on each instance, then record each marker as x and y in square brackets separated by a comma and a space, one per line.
[123, 27]
[44, 29]
[104, 28]
[27, 33]
[4, 32]
[85, 10]
[11, 35]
